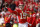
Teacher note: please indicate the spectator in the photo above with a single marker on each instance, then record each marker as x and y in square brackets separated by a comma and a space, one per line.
[12, 5]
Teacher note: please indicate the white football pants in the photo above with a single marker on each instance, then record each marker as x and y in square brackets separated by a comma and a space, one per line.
[23, 24]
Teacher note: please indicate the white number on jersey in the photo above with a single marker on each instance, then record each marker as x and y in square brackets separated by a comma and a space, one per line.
[33, 15]
[24, 16]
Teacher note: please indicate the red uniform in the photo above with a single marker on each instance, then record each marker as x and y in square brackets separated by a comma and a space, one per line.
[21, 16]
[34, 19]
[7, 20]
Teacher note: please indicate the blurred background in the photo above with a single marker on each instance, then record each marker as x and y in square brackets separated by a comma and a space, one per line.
[8, 8]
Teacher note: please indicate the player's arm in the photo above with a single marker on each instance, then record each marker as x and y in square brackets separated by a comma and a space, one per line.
[8, 18]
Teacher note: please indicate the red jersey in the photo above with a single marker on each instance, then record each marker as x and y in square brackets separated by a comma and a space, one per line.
[21, 16]
[7, 19]
[34, 19]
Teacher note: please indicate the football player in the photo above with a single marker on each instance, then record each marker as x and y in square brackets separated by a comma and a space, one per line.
[7, 20]
[38, 22]
[34, 19]
[22, 16]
